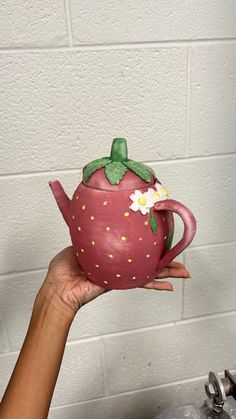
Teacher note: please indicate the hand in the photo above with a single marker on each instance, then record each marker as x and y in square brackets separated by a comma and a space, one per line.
[66, 279]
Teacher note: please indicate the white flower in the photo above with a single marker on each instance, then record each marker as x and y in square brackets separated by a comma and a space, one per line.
[154, 195]
[161, 191]
[141, 202]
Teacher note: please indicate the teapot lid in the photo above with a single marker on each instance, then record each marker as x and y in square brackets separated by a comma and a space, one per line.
[117, 172]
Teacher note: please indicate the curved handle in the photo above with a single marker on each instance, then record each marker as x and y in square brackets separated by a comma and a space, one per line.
[189, 229]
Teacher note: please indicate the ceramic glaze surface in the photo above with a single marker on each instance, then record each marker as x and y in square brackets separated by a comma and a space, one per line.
[121, 225]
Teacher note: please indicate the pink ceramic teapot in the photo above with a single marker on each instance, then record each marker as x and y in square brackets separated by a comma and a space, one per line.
[121, 221]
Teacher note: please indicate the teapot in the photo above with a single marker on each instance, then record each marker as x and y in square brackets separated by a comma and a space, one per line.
[121, 221]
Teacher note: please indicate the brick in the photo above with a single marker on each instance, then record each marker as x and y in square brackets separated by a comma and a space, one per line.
[213, 100]
[81, 374]
[144, 404]
[167, 354]
[61, 109]
[32, 229]
[24, 24]
[212, 288]
[80, 377]
[207, 187]
[114, 311]
[107, 22]
[7, 363]
[126, 310]
[17, 294]
[4, 342]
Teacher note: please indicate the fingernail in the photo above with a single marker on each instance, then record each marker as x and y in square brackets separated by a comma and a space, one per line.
[187, 275]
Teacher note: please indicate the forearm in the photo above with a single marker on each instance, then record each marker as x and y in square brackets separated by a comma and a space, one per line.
[32, 383]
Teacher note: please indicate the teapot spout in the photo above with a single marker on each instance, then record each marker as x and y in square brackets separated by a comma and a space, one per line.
[62, 199]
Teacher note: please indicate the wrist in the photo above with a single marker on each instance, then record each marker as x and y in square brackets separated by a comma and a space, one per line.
[48, 302]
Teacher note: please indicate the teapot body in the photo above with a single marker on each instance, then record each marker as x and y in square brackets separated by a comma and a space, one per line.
[114, 245]
[121, 221]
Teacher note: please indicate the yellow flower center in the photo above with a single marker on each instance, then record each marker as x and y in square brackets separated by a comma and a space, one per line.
[142, 201]
[164, 191]
[156, 194]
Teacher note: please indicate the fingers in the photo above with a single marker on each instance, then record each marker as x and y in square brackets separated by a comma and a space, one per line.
[174, 270]
[159, 285]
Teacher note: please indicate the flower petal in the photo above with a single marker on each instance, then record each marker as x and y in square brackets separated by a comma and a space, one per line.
[134, 206]
[133, 197]
[144, 210]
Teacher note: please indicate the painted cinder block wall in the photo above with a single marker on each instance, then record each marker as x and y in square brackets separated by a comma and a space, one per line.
[74, 75]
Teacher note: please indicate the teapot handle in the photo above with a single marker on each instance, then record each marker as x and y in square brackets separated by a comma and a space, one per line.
[189, 229]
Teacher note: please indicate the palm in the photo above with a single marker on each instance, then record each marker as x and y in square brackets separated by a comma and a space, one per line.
[75, 289]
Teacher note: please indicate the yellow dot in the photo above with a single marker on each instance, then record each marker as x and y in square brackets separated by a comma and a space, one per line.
[105, 203]
[140, 238]
[148, 276]
[97, 266]
[82, 250]
[83, 207]
[163, 219]
[73, 217]
[142, 201]
[89, 273]
[79, 228]
[165, 237]
[126, 214]
[92, 217]
[105, 282]
[108, 228]
[129, 260]
[148, 255]
[146, 223]
[123, 238]
[110, 256]
[118, 275]
[77, 197]
[155, 243]
[77, 254]
[156, 194]
[93, 242]
[134, 277]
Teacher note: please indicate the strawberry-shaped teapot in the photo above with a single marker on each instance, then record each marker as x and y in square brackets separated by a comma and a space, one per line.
[121, 221]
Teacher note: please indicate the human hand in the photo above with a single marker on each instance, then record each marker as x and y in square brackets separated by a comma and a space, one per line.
[66, 279]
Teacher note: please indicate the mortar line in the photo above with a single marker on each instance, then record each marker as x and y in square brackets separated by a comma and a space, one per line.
[173, 323]
[124, 45]
[68, 23]
[182, 290]
[56, 172]
[104, 364]
[140, 390]
[29, 271]
[188, 101]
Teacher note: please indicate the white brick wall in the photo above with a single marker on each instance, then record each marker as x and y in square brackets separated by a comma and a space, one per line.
[73, 75]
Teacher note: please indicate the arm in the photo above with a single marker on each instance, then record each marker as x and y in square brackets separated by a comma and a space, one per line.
[64, 291]
[31, 387]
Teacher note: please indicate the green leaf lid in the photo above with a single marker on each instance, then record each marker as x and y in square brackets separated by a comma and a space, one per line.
[117, 172]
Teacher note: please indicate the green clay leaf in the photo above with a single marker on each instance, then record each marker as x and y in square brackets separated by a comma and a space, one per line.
[153, 222]
[139, 169]
[171, 231]
[115, 172]
[170, 239]
[93, 166]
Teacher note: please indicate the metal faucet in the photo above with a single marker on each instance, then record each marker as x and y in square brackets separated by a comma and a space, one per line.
[217, 390]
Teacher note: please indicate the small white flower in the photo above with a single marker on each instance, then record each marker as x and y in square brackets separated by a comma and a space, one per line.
[141, 202]
[161, 190]
[154, 195]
